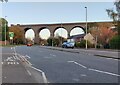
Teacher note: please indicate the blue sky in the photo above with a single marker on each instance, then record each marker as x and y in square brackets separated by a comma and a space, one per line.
[54, 12]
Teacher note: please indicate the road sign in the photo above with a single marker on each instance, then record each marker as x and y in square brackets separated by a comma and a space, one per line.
[11, 34]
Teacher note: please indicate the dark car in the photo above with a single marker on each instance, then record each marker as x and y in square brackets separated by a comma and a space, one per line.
[68, 45]
[29, 44]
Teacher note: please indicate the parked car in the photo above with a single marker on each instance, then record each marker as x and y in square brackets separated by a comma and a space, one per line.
[68, 45]
[29, 44]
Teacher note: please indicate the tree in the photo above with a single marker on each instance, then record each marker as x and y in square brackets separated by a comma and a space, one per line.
[106, 35]
[114, 42]
[43, 41]
[115, 15]
[3, 29]
[18, 34]
[117, 4]
[94, 31]
[56, 41]
[3, 0]
[49, 41]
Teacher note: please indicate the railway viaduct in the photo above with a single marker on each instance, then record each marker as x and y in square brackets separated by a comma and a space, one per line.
[53, 27]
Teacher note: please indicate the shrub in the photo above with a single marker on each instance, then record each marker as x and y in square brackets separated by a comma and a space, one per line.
[114, 42]
[82, 44]
[77, 44]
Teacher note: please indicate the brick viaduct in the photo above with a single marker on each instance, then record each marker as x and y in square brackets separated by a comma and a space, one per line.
[52, 27]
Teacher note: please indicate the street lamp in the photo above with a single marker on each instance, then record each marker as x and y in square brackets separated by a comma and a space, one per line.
[61, 33]
[86, 26]
[5, 28]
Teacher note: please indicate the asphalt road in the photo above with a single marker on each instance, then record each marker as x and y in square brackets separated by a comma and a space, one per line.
[66, 67]
[16, 70]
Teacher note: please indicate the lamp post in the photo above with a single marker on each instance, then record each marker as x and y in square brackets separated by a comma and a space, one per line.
[5, 28]
[86, 27]
[61, 33]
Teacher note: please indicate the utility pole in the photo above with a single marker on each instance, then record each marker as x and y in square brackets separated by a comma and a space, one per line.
[61, 33]
[86, 26]
[5, 29]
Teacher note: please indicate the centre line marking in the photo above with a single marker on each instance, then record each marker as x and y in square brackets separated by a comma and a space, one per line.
[77, 64]
[104, 72]
[53, 55]
[109, 73]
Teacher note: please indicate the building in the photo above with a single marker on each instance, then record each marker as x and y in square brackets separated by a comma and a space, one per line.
[78, 38]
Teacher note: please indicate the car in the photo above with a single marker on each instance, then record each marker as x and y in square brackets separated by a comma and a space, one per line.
[29, 44]
[68, 45]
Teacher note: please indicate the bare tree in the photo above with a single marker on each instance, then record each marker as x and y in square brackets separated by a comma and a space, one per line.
[3, 0]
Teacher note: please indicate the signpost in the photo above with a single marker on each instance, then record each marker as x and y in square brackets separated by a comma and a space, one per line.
[11, 35]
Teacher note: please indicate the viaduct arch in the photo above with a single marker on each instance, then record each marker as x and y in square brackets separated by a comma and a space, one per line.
[52, 27]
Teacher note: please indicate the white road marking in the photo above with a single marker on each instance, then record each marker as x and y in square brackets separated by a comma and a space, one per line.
[8, 63]
[11, 48]
[14, 57]
[43, 74]
[15, 52]
[109, 73]
[13, 62]
[17, 58]
[77, 64]
[75, 79]
[29, 72]
[53, 55]
[17, 63]
[112, 59]
[104, 72]
[1, 62]
[24, 59]
[27, 56]
[83, 75]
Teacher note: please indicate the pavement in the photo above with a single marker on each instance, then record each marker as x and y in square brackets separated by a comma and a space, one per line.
[96, 52]
[17, 69]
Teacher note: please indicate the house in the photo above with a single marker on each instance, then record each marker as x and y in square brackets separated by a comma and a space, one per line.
[78, 38]
[90, 38]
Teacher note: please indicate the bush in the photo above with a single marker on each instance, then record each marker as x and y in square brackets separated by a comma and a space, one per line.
[114, 42]
[82, 44]
[77, 44]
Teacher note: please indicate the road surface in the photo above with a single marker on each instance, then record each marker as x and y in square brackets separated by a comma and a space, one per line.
[66, 67]
[16, 69]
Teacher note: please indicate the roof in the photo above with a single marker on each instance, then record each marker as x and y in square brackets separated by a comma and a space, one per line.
[77, 36]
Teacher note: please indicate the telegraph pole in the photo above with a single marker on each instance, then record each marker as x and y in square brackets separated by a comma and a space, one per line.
[86, 26]
[5, 29]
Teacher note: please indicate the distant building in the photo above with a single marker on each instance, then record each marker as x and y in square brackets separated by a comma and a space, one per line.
[90, 38]
[78, 38]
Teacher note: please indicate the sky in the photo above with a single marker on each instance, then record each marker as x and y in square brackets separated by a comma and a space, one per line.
[54, 12]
